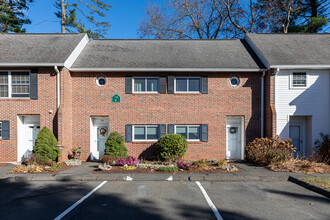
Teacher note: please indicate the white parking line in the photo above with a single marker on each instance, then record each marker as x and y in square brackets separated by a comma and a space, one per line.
[79, 201]
[209, 201]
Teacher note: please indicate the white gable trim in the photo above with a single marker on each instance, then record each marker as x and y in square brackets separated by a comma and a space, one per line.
[76, 52]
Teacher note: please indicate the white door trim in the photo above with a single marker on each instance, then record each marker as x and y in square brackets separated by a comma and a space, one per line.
[241, 124]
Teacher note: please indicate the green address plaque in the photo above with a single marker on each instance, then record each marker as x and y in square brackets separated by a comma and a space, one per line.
[116, 98]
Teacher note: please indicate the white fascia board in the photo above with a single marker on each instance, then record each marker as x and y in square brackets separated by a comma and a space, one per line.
[300, 66]
[76, 52]
[257, 51]
[29, 64]
[164, 70]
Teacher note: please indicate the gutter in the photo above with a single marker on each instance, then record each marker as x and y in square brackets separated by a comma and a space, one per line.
[58, 86]
[262, 103]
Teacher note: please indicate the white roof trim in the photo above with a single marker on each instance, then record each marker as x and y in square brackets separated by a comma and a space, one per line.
[29, 64]
[301, 66]
[165, 70]
[76, 52]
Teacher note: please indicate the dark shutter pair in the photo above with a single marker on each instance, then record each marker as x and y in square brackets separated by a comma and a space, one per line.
[162, 131]
[129, 132]
[204, 131]
[5, 130]
[203, 85]
[161, 85]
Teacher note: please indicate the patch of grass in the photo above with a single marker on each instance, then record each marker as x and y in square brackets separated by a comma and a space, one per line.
[323, 182]
[167, 169]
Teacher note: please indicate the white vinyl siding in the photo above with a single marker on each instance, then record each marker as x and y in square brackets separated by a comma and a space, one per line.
[14, 84]
[190, 132]
[145, 132]
[312, 100]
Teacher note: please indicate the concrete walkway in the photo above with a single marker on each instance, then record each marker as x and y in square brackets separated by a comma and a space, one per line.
[249, 172]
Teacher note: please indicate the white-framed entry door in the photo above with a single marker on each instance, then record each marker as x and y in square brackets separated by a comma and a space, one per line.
[99, 135]
[28, 128]
[235, 137]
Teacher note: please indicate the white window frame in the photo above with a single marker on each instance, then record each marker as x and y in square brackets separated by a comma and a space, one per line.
[144, 140]
[0, 129]
[10, 84]
[291, 79]
[188, 77]
[146, 84]
[199, 126]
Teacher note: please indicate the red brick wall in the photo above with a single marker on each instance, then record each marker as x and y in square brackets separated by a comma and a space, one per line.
[223, 100]
[11, 108]
[270, 111]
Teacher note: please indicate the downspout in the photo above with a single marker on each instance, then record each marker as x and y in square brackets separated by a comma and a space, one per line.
[262, 102]
[58, 81]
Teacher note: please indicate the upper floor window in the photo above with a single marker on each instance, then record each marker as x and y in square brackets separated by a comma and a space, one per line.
[190, 132]
[148, 85]
[14, 84]
[145, 132]
[185, 84]
[299, 79]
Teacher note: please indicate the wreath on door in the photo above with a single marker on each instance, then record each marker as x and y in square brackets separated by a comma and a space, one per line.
[103, 131]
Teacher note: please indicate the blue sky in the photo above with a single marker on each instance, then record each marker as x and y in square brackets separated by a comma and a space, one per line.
[124, 17]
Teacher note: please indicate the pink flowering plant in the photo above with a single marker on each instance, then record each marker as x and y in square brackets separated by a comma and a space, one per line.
[183, 165]
[130, 161]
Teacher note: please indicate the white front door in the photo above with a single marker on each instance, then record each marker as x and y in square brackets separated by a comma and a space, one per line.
[234, 138]
[102, 136]
[296, 138]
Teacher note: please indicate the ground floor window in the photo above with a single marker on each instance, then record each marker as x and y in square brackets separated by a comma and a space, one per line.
[190, 132]
[145, 132]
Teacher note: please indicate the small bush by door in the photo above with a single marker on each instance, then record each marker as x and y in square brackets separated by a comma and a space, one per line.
[115, 146]
[172, 147]
[46, 146]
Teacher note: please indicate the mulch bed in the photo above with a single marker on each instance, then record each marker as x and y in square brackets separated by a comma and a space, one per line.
[65, 167]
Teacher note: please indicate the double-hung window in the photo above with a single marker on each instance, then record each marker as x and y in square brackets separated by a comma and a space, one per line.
[299, 79]
[187, 84]
[145, 132]
[190, 132]
[145, 85]
[14, 84]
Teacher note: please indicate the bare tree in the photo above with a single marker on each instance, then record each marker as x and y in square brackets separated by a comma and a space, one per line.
[184, 19]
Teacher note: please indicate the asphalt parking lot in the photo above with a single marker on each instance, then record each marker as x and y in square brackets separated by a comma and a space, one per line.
[160, 200]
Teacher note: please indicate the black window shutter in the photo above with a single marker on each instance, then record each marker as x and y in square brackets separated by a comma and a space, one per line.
[128, 85]
[170, 129]
[5, 130]
[161, 130]
[162, 85]
[170, 85]
[205, 85]
[205, 132]
[128, 133]
[34, 84]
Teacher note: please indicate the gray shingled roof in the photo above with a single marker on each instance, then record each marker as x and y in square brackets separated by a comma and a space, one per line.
[126, 54]
[293, 49]
[37, 48]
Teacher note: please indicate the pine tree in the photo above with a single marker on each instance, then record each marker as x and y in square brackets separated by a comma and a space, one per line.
[12, 17]
[73, 14]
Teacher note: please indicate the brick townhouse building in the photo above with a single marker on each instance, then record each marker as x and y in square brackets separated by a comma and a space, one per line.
[210, 91]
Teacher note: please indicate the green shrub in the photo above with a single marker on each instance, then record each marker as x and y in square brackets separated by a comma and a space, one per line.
[323, 146]
[172, 147]
[46, 146]
[265, 151]
[115, 146]
[168, 169]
